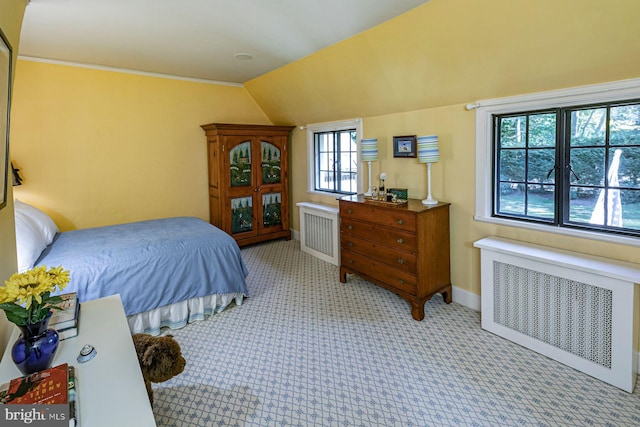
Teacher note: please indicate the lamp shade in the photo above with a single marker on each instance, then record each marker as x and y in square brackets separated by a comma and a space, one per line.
[428, 151]
[369, 149]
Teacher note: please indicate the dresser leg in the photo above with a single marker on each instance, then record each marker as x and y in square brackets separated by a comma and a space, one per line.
[343, 276]
[417, 310]
[446, 294]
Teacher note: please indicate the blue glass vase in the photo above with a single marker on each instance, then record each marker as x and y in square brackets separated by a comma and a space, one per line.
[35, 349]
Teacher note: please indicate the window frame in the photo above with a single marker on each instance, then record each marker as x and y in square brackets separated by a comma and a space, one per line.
[311, 160]
[485, 111]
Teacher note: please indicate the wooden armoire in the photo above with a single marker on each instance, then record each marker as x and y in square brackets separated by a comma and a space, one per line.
[249, 180]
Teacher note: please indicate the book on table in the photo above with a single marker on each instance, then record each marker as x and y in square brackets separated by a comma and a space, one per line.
[49, 387]
[65, 321]
[74, 410]
[53, 386]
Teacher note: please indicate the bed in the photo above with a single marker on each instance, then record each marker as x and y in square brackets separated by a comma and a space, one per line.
[168, 272]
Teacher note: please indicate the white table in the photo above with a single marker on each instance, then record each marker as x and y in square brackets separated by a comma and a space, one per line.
[110, 386]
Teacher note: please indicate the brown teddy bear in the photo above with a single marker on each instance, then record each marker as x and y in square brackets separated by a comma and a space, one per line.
[160, 359]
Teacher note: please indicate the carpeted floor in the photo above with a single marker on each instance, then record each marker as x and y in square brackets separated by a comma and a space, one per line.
[306, 350]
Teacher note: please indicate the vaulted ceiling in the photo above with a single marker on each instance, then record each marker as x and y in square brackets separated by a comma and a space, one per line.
[220, 40]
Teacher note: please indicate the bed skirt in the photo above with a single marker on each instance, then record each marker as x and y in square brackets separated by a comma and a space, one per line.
[176, 316]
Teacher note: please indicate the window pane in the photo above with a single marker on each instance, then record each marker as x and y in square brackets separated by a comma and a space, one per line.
[513, 132]
[512, 165]
[625, 125]
[542, 130]
[326, 181]
[588, 166]
[511, 199]
[629, 169]
[581, 204]
[540, 201]
[630, 209]
[588, 127]
[541, 165]
[347, 143]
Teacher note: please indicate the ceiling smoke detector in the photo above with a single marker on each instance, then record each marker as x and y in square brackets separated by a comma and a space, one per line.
[243, 56]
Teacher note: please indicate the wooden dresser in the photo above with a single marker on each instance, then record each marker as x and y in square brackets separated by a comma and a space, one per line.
[404, 249]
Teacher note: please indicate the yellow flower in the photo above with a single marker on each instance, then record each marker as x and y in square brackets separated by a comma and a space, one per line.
[30, 292]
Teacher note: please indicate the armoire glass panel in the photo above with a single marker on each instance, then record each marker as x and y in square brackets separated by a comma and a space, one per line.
[240, 165]
[241, 214]
[270, 165]
[271, 209]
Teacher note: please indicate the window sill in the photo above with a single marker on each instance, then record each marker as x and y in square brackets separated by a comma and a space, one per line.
[609, 238]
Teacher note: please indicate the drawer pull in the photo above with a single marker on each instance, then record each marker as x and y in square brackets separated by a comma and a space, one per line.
[401, 221]
[350, 244]
[400, 240]
[349, 227]
[349, 211]
[350, 261]
[401, 261]
[401, 281]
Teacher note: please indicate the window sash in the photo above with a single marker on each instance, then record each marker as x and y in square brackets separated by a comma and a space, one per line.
[334, 161]
[581, 141]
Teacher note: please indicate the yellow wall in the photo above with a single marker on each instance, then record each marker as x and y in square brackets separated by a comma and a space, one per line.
[101, 147]
[413, 75]
[11, 13]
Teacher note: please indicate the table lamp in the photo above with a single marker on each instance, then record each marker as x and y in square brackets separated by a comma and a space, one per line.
[369, 153]
[428, 153]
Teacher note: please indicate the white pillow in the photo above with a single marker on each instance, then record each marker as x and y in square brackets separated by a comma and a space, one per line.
[41, 220]
[30, 242]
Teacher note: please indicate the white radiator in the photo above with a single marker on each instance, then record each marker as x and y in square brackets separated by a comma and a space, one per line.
[578, 309]
[319, 231]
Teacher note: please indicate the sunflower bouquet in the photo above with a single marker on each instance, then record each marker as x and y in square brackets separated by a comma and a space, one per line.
[26, 297]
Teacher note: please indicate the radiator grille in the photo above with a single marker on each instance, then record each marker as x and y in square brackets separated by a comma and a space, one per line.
[569, 315]
[319, 231]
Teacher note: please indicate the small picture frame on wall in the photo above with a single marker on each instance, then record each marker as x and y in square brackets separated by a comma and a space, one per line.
[404, 146]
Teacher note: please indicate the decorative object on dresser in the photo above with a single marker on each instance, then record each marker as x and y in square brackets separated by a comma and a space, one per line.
[249, 180]
[428, 153]
[369, 153]
[404, 249]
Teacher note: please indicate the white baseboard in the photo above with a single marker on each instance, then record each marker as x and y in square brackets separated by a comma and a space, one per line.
[466, 298]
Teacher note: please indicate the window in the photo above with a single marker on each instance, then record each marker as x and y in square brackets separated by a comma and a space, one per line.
[334, 157]
[572, 167]
[336, 162]
[564, 161]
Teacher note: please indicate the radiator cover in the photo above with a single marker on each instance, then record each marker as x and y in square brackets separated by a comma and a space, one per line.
[578, 309]
[319, 230]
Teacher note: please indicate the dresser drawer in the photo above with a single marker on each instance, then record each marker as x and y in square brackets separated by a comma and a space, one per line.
[391, 237]
[392, 277]
[402, 260]
[390, 217]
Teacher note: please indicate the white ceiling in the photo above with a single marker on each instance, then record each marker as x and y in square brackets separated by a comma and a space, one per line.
[196, 38]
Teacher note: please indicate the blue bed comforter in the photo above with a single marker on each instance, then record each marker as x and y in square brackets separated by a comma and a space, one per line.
[149, 263]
